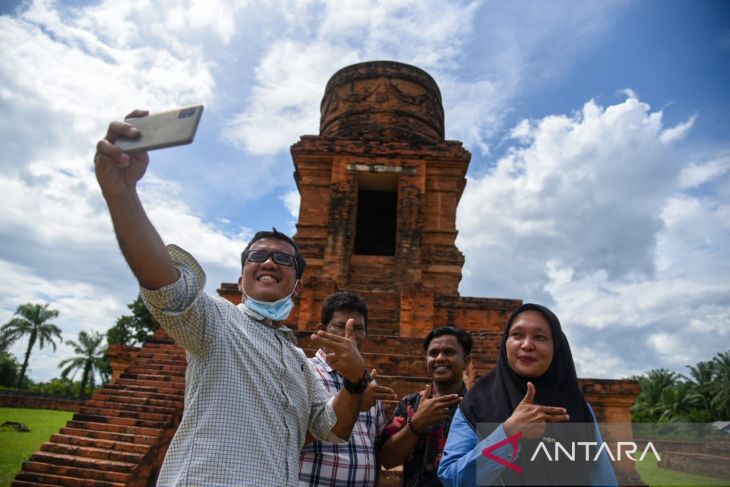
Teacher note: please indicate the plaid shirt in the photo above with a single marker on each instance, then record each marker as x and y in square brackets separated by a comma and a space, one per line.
[250, 393]
[351, 464]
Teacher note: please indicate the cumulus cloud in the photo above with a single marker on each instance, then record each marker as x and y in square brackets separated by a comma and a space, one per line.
[64, 74]
[291, 75]
[586, 213]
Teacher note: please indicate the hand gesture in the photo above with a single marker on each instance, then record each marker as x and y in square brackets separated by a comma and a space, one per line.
[342, 352]
[117, 172]
[375, 393]
[432, 410]
[530, 418]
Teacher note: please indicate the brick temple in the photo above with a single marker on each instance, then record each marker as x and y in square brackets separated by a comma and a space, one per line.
[379, 189]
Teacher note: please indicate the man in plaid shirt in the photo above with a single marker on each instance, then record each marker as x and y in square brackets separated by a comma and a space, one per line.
[352, 464]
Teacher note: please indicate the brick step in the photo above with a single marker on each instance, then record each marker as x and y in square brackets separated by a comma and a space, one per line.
[72, 474]
[150, 386]
[144, 363]
[114, 428]
[161, 357]
[157, 368]
[132, 407]
[124, 396]
[166, 343]
[164, 380]
[84, 441]
[124, 413]
[98, 418]
[150, 389]
[40, 479]
[92, 452]
[82, 462]
[93, 434]
[23, 483]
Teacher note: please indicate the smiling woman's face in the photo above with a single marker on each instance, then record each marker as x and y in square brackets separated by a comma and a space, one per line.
[530, 345]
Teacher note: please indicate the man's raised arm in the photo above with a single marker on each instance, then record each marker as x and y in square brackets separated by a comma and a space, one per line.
[118, 174]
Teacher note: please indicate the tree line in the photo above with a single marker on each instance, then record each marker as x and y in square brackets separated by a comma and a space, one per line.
[33, 321]
[702, 396]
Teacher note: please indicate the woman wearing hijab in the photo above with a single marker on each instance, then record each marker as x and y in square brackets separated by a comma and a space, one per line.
[528, 402]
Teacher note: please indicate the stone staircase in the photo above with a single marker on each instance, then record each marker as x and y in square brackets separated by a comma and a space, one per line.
[119, 436]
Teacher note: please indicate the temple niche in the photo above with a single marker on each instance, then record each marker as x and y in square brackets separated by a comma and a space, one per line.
[379, 190]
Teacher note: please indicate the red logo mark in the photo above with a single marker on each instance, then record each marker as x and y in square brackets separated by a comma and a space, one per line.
[514, 441]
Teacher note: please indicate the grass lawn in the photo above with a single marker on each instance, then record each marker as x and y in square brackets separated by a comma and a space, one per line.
[15, 447]
[654, 476]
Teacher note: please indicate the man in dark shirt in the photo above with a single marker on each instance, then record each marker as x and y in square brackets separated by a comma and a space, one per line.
[416, 434]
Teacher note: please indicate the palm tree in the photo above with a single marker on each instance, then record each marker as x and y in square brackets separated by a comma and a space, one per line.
[648, 406]
[32, 320]
[679, 403]
[89, 359]
[702, 378]
[721, 401]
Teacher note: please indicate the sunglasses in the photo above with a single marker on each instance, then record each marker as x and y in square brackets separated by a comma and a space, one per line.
[281, 258]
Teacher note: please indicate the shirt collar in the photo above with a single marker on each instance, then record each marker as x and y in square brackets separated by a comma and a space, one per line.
[257, 318]
[322, 356]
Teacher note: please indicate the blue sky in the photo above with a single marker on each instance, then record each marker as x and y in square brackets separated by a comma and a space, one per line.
[598, 131]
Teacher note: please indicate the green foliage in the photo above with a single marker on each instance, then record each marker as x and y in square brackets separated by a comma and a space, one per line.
[60, 386]
[32, 320]
[15, 447]
[133, 330]
[701, 397]
[9, 369]
[89, 359]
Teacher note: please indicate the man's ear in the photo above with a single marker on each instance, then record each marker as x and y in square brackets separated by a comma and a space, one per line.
[467, 360]
[240, 285]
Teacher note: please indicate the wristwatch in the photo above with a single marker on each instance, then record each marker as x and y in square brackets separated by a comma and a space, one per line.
[358, 387]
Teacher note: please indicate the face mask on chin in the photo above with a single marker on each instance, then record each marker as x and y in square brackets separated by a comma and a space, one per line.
[278, 310]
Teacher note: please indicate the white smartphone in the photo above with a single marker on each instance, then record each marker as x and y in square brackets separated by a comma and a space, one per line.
[163, 129]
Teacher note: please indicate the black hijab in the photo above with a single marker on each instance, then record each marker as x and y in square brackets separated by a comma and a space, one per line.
[495, 396]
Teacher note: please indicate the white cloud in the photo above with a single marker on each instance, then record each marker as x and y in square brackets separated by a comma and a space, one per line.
[677, 132]
[64, 74]
[694, 175]
[292, 200]
[291, 75]
[586, 214]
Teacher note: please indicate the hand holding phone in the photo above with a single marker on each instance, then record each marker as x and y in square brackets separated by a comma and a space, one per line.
[161, 130]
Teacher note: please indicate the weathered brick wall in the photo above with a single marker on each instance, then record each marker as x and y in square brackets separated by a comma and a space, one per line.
[39, 403]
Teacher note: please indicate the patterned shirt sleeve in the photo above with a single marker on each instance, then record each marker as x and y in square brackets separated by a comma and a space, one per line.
[323, 417]
[182, 308]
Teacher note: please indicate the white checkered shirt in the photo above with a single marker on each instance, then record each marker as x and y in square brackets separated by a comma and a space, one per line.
[250, 393]
[342, 465]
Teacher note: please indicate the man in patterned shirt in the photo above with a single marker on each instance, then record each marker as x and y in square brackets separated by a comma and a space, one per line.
[250, 393]
[329, 464]
[416, 434]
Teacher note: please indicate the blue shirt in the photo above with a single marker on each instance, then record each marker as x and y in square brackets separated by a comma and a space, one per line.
[459, 465]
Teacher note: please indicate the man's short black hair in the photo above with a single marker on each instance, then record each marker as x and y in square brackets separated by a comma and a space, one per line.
[462, 336]
[344, 301]
[299, 263]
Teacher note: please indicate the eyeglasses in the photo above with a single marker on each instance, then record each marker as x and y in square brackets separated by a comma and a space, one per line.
[281, 258]
[358, 329]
